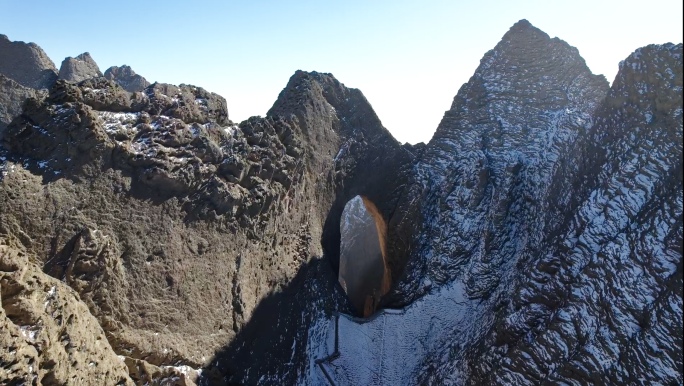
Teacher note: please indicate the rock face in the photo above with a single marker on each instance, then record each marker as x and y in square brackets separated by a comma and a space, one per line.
[79, 68]
[125, 77]
[180, 180]
[12, 97]
[26, 64]
[48, 336]
[536, 239]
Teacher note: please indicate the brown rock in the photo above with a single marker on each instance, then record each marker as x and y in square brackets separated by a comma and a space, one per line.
[47, 335]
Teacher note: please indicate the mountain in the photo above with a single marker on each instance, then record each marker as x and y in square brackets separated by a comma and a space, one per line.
[536, 239]
[26, 64]
[79, 68]
[126, 78]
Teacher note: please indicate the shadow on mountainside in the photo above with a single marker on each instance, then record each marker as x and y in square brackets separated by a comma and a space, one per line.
[277, 333]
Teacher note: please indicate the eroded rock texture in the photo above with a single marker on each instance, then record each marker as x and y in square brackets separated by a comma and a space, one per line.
[537, 239]
[129, 197]
[48, 337]
[548, 220]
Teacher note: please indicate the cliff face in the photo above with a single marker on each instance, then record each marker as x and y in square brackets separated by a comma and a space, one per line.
[537, 238]
[158, 195]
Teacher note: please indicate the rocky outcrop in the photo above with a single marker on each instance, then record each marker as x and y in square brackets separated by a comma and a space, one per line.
[125, 77]
[368, 161]
[497, 159]
[47, 334]
[197, 202]
[531, 221]
[79, 68]
[26, 64]
[12, 97]
[549, 266]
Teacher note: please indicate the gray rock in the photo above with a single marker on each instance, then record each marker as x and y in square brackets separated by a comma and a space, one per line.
[26, 64]
[12, 97]
[79, 68]
[125, 77]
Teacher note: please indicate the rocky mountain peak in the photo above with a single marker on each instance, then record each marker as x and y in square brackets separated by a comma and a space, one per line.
[528, 93]
[126, 78]
[26, 64]
[647, 72]
[321, 98]
[80, 68]
[523, 26]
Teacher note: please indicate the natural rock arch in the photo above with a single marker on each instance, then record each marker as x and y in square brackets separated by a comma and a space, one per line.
[363, 273]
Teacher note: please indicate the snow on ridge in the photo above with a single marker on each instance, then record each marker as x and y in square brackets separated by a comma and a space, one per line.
[117, 121]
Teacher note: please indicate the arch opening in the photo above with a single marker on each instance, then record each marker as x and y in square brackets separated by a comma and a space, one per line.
[363, 270]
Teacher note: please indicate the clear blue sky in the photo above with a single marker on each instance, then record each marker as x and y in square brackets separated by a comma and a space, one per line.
[408, 57]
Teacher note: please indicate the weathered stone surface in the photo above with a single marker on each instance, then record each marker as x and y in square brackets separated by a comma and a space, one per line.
[192, 207]
[79, 68]
[604, 302]
[538, 244]
[125, 77]
[47, 335]
[12, 97]
[187, 103]
[144, 373]
[26, 64]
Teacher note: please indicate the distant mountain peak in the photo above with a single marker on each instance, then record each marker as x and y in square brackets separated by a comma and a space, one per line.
[126, 78]
[26, 63]
[80, 68]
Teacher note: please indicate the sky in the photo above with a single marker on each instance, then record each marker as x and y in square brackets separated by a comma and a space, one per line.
[409, 58]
